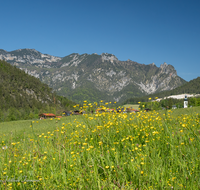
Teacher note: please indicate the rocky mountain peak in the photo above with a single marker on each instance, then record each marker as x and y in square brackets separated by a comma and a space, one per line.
[2, 51]
[108, 57]
[28, 57]
[152, 64]
[164, 65]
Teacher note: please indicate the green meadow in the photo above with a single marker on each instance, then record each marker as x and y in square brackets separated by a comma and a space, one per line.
[134, 106]
[145, 150]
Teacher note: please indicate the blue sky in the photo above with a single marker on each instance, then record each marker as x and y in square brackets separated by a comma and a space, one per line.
[144, 31]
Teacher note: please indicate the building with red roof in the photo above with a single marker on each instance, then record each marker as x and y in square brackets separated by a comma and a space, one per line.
[47, 115]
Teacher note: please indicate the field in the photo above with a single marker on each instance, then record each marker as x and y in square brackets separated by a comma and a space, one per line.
[145, 150]
[134, 106]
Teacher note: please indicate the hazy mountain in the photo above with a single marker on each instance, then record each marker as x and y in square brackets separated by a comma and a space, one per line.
[94, 77]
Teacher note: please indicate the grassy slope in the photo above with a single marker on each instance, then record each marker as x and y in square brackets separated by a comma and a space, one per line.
[23, 126]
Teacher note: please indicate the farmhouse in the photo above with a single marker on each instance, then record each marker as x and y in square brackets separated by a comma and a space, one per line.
[47, 115]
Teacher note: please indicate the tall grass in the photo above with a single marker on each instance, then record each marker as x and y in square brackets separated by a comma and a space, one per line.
[153, 150]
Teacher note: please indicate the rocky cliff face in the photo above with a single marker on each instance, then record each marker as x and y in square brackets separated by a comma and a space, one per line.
[94, 77]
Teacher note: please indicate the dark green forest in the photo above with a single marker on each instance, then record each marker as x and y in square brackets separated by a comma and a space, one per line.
[23, 96]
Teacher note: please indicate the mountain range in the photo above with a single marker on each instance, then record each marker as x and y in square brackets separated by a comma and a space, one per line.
[94, 77]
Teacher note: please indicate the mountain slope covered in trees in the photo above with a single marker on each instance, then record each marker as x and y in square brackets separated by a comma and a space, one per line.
[23, 95]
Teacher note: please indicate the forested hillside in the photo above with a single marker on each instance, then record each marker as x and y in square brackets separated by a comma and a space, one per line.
[24, 96]
[191, 87]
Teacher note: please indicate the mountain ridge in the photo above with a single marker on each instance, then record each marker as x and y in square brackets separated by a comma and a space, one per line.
[94, 77]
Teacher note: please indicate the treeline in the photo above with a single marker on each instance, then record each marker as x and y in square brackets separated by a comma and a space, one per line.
[23, 96]
[191, 87]
[169, 103]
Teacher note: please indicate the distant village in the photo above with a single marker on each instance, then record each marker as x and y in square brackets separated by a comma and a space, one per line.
[78, 112]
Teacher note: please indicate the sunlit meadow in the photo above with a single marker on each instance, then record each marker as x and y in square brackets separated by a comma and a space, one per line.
[108, 150]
